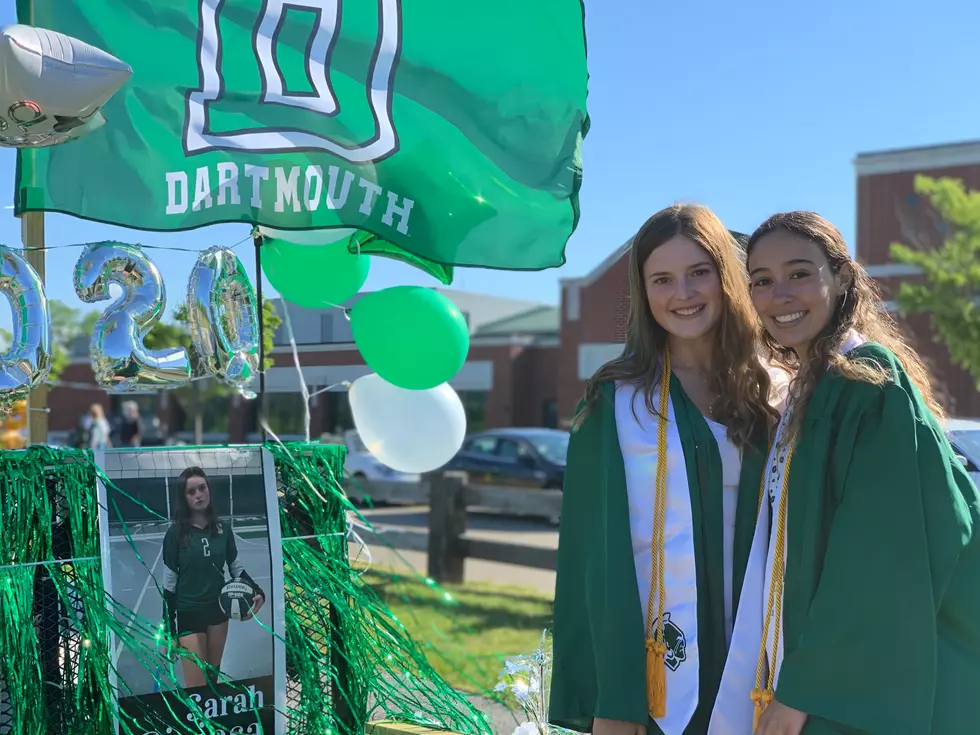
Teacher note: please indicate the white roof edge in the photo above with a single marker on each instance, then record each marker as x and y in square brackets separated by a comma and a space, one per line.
[604, 265]
[914, 160]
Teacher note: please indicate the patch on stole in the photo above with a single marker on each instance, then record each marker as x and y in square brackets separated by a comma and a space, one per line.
[676, 644]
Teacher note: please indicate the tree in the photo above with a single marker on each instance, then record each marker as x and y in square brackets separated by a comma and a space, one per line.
[67, 326]
[200, 391]
[950, 288]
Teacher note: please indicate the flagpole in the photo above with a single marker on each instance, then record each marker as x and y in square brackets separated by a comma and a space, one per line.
[32, 238]
[257, 241]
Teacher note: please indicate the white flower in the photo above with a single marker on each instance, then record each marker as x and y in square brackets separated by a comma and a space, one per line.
[528, 728]
[520, 690]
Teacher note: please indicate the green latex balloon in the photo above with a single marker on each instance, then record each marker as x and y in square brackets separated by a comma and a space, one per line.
[412, 337]
[314, 276]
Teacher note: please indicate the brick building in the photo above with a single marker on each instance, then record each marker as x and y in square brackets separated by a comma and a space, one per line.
[888, 211]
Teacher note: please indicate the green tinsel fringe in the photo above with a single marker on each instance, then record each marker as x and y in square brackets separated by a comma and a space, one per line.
[348, 659]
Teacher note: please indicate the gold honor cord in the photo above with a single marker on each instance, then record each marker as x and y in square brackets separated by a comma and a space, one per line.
[655, 643]
[765, 673]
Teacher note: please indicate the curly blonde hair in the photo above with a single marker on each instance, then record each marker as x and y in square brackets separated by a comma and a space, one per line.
[738, 380]
[860, 308]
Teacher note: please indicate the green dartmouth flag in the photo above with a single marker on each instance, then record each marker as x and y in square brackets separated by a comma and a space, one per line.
[447, 129]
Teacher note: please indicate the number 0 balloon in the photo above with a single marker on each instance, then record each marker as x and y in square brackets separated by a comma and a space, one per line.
[28, 361]
[223, 318]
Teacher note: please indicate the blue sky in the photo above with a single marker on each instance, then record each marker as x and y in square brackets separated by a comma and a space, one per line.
[750, 108]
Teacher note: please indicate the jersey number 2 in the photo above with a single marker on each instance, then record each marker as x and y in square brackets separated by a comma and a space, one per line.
[206, 545]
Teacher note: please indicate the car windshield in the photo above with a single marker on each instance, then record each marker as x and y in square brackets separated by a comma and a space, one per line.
[968, 442]
[553, 447]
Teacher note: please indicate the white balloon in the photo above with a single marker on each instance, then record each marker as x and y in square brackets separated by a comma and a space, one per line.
[408, 430]
[307, 237]
[52, 86]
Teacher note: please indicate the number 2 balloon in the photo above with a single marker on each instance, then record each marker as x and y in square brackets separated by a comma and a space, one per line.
[52, 86]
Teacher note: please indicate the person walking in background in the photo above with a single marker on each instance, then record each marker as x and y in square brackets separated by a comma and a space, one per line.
[131, 426]
[96, 429]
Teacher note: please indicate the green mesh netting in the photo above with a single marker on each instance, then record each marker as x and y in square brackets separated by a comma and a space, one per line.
[348, 660]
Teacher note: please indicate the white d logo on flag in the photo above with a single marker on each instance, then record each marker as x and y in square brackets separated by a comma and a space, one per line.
[199, 138]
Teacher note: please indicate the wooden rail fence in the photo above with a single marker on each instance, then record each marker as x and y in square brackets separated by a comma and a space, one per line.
[446, 542]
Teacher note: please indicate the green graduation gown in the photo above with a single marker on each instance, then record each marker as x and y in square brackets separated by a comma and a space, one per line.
[599, 660]
[882, 583]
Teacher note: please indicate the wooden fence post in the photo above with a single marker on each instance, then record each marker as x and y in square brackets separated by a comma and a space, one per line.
[447, 524]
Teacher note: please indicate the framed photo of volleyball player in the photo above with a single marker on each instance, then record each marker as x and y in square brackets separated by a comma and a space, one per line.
[192, 562]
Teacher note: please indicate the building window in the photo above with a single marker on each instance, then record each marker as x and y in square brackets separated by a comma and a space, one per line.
[339, 418]
[549, 414]
[214, 413]
[475, 405]
[284, 412]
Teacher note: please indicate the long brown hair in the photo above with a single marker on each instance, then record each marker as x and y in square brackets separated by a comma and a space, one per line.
[860, 308]
[182, 509]
[738, 379]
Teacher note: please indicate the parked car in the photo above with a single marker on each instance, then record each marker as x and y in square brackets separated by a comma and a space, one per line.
[364, 466]
[519, 457]
[964, 435]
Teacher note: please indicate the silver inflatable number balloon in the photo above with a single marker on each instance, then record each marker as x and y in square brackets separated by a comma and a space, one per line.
[223, 318]
[28, 361]
[53, 86]
[120, 360]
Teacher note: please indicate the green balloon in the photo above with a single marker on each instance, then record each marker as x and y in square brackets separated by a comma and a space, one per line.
[412, 337]
[314, 276]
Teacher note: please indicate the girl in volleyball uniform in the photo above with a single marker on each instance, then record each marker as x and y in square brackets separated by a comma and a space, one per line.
[195, 574]
[196, 550]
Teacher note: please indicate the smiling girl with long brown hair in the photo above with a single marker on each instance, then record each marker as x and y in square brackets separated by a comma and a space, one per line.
[657, 543]
[873, 577]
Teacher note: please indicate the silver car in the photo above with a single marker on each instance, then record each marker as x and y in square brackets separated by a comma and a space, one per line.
[964, 435]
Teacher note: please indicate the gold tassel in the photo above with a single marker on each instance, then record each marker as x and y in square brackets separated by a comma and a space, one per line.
[761, 698]
[656, 678]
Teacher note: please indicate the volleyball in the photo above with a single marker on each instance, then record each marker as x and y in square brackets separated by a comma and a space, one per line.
[236, 599]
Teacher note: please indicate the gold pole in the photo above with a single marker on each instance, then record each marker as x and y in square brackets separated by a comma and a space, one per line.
[32, 237]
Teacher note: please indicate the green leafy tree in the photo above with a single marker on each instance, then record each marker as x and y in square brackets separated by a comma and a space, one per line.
[950, 287]
[197, 395]
[68, 324]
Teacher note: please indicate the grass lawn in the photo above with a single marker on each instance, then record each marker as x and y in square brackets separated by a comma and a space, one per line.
[467, 638]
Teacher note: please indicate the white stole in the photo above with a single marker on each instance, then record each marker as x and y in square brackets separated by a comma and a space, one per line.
[734, 710]
[638, 444]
